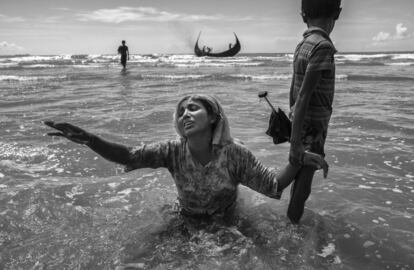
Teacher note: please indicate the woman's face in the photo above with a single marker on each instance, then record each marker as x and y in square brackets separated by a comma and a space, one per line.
[193, 118]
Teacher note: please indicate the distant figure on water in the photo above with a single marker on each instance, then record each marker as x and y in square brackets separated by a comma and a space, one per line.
[311, 95]
[206, 163]
[124, 52]
[206, 49]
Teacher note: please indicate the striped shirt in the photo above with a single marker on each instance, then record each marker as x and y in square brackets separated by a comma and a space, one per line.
[315, 53]
[212, 188]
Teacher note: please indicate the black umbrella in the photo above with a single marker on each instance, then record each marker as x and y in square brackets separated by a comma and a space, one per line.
[280, 127]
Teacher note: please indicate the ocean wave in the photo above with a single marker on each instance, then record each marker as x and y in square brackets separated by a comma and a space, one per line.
[341, 77]
[400, 64]
[8, 65]
[217, 64]
[192, 61]
[403, 56]
[39, 58]
[219, 77]
[40, 66]
[229, 77]
[175, 76]
[285, 57]
[175, 60]
[265, 77]
[359, 57]
[14, 78]
[378, 78]
[278, 77]
[360, 63]
[373, 59]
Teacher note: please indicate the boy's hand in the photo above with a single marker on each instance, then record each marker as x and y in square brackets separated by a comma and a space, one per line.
[69, 131]
[317, 161]
[296, 154]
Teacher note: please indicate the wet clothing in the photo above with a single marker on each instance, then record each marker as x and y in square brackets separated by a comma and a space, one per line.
[209, 189]
[123, 60]
[315, 53]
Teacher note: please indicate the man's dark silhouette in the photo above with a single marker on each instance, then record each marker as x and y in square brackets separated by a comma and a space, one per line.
[123, 51]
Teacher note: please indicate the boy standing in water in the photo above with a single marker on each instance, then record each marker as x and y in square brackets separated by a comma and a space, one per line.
[311, 94]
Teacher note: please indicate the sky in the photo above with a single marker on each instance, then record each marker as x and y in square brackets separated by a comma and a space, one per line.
[48, 27]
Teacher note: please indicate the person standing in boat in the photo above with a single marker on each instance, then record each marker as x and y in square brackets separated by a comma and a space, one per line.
[124, 52]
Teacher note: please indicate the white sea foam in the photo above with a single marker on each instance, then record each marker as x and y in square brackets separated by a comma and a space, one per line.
[397, 190]
[8, 65]
[403, 56]
[368, 244]
[189, 58]
[30, 78]
[40, 66]
[38, 58]
[263, 77]
[364, 187]
[175, 77]
[327, 250]
[217, 64]
[14, 78]
[400, 64]
[359, 57]
[341, 77]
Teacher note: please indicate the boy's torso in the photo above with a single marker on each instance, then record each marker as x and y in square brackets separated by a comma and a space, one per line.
[315, 52]
[305, 58]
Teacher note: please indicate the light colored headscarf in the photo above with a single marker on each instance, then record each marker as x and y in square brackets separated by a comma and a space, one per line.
[221, 133]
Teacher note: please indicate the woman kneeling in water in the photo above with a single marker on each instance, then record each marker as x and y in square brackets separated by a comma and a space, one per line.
[206, 163]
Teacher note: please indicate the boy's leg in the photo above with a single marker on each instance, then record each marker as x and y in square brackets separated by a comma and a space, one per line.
[300, 191]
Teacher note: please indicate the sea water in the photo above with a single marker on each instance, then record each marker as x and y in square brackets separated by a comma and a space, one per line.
[64, 207]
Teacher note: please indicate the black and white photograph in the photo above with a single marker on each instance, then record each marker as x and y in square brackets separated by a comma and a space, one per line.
[204, 135]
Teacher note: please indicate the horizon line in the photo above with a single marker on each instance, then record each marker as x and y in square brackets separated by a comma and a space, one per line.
[189, 53]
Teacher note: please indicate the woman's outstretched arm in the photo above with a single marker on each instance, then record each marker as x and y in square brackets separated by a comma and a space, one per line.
[111, 151]
[288, 174]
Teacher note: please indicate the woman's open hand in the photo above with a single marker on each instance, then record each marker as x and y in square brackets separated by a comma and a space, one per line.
[70, 132]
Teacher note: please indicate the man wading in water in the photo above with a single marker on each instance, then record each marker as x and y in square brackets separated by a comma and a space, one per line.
[123, 51]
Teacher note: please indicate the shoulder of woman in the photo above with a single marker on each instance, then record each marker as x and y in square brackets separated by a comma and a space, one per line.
[237, 147]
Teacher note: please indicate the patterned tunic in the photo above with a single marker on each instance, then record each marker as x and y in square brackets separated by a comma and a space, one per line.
[315, 53]
[209, 189]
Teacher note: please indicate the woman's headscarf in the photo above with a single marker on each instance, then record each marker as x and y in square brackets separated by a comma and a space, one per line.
[221, 130]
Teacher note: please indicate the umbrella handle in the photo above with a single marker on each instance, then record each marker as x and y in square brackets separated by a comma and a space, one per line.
[263, 94]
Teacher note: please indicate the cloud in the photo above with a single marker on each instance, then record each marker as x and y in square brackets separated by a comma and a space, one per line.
[401, 32]
[124, 14]
[381, 36]
[10, 46]
[6, 18]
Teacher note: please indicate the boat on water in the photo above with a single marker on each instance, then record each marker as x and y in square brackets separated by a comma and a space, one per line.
[229, 53]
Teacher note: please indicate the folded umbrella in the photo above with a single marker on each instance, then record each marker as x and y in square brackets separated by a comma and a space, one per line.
[280, 127]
